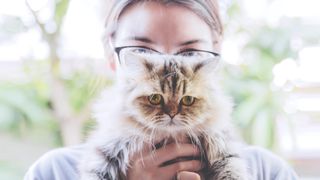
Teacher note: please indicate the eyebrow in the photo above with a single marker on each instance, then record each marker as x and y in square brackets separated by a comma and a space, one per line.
[141, 39]
[194, 41]
[149, 41]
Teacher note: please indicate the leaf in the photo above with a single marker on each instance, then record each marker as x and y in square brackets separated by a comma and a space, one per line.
[60, 11]
[263, 129]
[20, 105]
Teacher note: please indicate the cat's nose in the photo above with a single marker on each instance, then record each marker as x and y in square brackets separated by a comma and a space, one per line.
[172, 115]
[171, 109]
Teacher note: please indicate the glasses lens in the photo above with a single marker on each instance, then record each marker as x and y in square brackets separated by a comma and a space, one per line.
[139, 50]
[200, 54]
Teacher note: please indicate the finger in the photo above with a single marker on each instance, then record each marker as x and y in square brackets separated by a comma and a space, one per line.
[181, 139]
[186, 175]
[172, 151]
[173, 169]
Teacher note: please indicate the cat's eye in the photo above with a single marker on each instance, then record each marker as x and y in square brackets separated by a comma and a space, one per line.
[155, 99]
[187, 100]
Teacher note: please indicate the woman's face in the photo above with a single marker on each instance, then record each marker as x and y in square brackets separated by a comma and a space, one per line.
[167, 29]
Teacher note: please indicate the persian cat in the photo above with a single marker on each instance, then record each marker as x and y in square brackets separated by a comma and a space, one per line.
[158, 98]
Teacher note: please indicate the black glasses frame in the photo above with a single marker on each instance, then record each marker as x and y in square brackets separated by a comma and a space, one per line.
[118, 50]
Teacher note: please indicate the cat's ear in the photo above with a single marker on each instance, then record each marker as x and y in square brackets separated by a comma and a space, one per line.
[207, 66]
[134, 62]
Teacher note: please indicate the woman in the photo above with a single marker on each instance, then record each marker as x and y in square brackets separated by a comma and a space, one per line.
[166, 26]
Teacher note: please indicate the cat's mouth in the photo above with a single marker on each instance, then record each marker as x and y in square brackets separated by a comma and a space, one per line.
[170, 124]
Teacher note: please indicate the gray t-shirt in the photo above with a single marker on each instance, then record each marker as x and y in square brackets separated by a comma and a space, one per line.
[61, 164]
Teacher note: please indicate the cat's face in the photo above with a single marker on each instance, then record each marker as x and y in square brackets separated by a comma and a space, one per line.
[169, 92]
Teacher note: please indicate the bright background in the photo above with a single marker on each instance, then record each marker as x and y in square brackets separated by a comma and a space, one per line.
[52, 65]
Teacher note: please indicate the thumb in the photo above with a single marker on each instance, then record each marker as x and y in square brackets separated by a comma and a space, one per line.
[185, 175]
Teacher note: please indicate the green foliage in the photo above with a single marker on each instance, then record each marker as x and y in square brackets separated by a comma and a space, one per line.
[258, 102]
[88, 127]
[28, 104]
[60, 11]
[83, 87]
[21, 107]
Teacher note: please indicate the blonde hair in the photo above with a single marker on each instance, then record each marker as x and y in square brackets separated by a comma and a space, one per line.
[208, 10]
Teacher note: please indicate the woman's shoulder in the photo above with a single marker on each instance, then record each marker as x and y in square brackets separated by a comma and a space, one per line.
[60, 163]
[263, 164]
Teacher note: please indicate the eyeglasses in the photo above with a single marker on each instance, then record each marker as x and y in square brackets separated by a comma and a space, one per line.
[147, 50]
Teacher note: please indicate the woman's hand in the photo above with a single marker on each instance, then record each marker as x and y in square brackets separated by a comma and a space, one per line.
[149, 165]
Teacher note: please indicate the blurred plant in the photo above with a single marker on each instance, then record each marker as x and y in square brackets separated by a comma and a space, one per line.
[49, 95]
[69, 122]
[27, 105]
[69, 97]
[258, 102]
[21, 107]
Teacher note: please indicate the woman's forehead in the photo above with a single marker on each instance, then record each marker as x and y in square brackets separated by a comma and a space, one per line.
[158, 24]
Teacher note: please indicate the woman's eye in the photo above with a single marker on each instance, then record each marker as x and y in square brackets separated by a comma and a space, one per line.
[189, 53]
[197, 53]
[187, 100]
[142, 50]
[155, 99]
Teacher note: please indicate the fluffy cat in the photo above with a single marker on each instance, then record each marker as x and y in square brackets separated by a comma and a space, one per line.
[157, 98]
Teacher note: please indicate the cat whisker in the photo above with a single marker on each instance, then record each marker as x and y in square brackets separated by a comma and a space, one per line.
[176, 141]
[195, 140]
